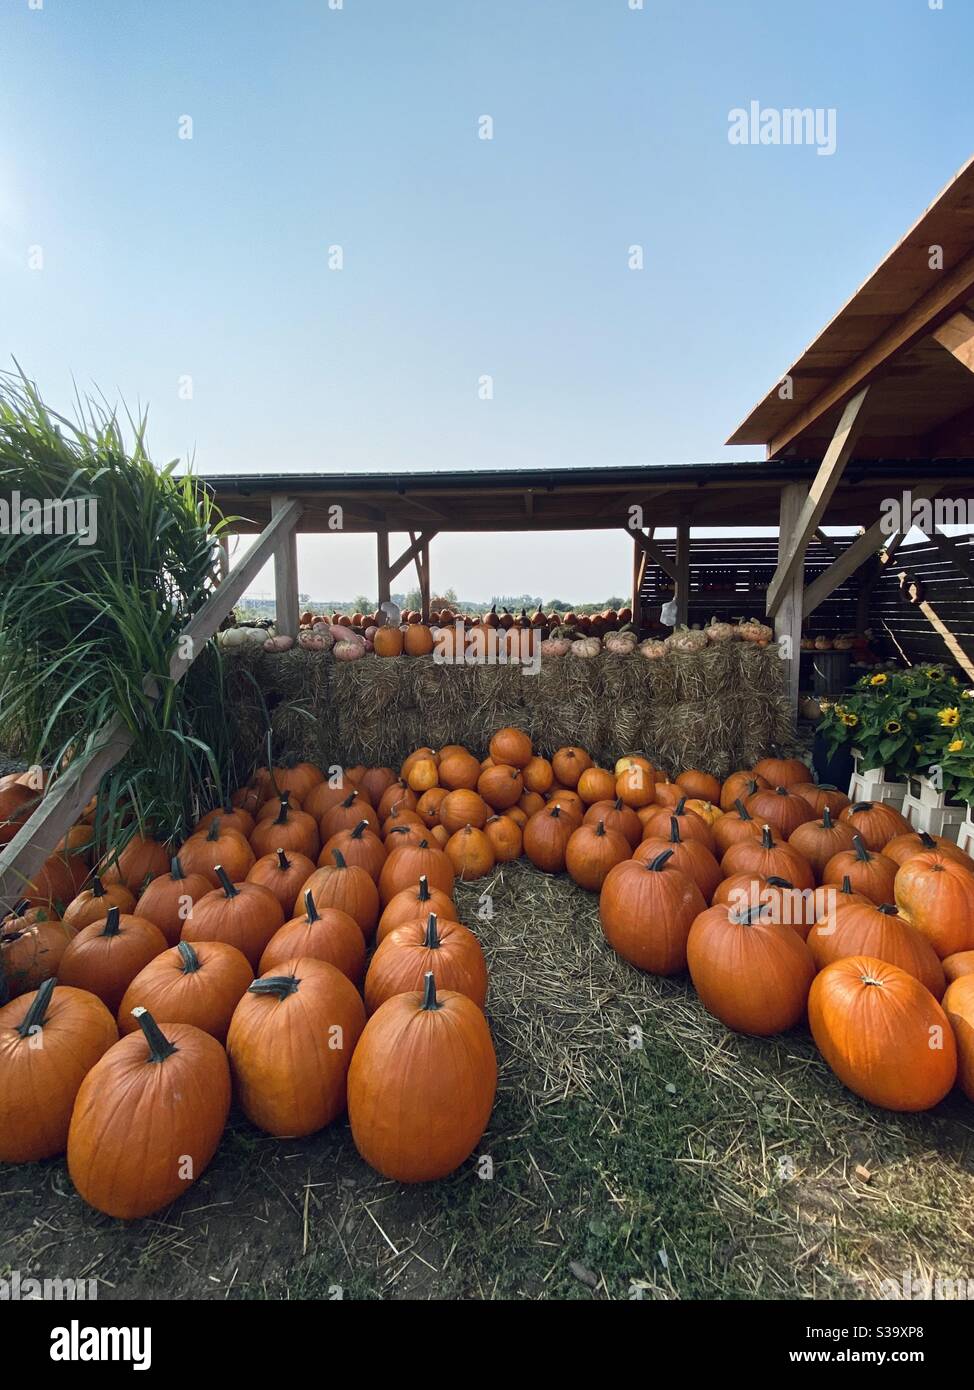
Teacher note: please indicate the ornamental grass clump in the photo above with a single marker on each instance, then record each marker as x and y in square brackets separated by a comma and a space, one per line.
[90, 616]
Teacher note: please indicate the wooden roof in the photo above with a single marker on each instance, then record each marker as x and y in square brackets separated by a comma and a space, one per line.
[921, 402]
[739, 494]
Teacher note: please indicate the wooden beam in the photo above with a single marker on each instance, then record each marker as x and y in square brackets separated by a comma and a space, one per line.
[791, 556]
[412, 553]
[828, 542]
[654, 553]
[638, 575]
[855, 555]
[382, 564]
[682, 577]
[423, 570]
[788, 615]
[960, 557]
[957, 336]
[948, 293]
[71, 791]
[286, 606]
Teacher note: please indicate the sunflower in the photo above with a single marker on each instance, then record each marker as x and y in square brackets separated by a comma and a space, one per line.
[879, 679]
[893, 726]
[949, 717]
[850, 720]
[934, 673]
[955, 746]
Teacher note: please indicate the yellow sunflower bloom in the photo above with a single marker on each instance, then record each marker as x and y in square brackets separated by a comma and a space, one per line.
[850, 720]
[892, 726]
[934, 673]
[949, 717]
[879, 679]
[955, 746]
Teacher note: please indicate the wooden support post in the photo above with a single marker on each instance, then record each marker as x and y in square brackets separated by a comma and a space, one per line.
[638, 575]
[791, 556]
[788, 616]
[682, 580]
[285, 575]
[382, 559]
[423, 570]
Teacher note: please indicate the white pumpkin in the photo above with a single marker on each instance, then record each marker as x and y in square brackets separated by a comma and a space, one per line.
[586, 647]
[687, 640]
[555, 646]
[241, 636]
[652, 648]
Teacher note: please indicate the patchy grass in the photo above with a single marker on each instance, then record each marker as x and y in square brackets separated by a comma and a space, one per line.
[638, 1149]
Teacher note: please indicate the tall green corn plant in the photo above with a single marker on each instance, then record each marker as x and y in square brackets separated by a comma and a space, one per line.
[84, 619]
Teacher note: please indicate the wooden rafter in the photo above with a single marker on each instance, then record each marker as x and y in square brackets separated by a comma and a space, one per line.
[652, 550]
[792, 554]
[957, 336]
[417, 545]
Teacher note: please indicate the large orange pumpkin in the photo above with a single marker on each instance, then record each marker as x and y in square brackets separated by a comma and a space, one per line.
[701, 786]
[782, 772]
[569, 763]
[148, 1118]
[471, 853]
[732, 827]
[169, 899]
[646, 912]
[284, 874]
[691, 857]
[49, 1041]
[505, 836]
[500, 786]
[141, 860]
[92, 904]
[780, 808]
[904, 847]
[463, 807]
[421, 1085]
[768, 858]
[546, 837]
[751, 972]
[875, 822]
[105, 957]
[354, 809]
[659, 821]
[958, 1005]
[418, 640]
[513, 747]
[882, 1033]
[200, 984]
[402, 961]
[538, 775]
[290, 1043]
[347, 887]
[415, 904]
[201, 853]
[738, 787]
[459, 771]
[871, 874]
[31, 946]
[821, 796]
[596, 784]
[820, 840]
[862, 929]
[330, 935]
[245, 915]
[408, 865]
[388, 641]
[616, 815]
[936, 894]
[288, 830]
[636, 786]
[593, 850]
[361, 846]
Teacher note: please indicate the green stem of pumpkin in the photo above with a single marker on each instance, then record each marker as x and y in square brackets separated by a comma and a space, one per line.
[675, 831]
[424, 889]
[862, 853]
[281, 818]
[429, 993]
[655, 865]
[214, 831]
[889, 909]
[310, 907]
[282, 860]
[97, 887]
[827, 818]
[742, 810]
[112, 927]
[281, 985]
[159, 1045]
[339, 859]
[861, 806]
[767, 838]
[176, 869]
[360, 830]
[34, 1017]
[225, 883]
[927, 840]
[432, 938]
[777, 882]
[846, 884]
[191, 961]
[679, 808]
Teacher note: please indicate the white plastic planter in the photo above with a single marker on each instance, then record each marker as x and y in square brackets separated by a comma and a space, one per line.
[965, 833]
[928, 809]
[870, 784]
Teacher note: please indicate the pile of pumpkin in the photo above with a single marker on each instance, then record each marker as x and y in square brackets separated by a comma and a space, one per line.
[241, 966]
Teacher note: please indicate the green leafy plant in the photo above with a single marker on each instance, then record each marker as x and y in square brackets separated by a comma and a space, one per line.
[85, 619]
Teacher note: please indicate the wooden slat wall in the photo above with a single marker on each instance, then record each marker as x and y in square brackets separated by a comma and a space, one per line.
[947, 591]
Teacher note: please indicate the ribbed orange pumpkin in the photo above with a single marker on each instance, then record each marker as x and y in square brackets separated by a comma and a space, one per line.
[500, 786]
[637, 787]
[288, 830]
[92, 904]
[463, 807]
[200, 984]
[782, 772]
[872, 875]
[698, 785]
[415, 904]
[513, 747]
[421, 1085]
[31, 946]
[413, 833]
[546, 837]
[49, 1040]
[768, 858]
[538, 775]
[458, 771]
[360, 846]
[876, 822]
[958, 1005]
[396, 798]
[105, 957]
[751, 972]
[738, 787]
[882, 1033]
[290, 1043]
[325, 795]
[646, 912]
[428, 806]
[169, 899]
[783, 810]
[739, 891]
[17, 803]
[284, 874]
[398, 821]
[348, 888]
[330, 935]
[141, 859]
[616, 815]
[959, 964]
[245, 915]
[593, 850]
[273, 806]
[692, 827]
[820, 840]
[570, 802]
[301, 780]
[506, 839]
[861, 929]
[202, 853]
[409, 953]
[666, 794]
[691, 857]
[231, 818]
[820, 795]
[734, 826]
[347, 815]
[408, 865]
[422, 776]
[596, 784]
[471, 853]
[936, 894]
[569, 763]
[904, 847]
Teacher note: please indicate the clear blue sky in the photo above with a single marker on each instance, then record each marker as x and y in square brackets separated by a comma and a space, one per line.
[208, 258]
